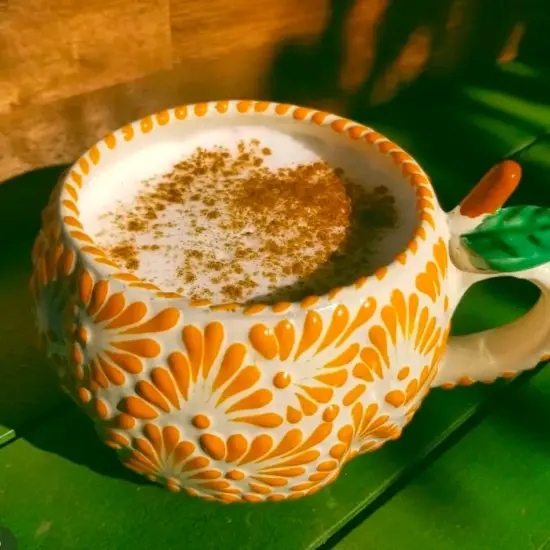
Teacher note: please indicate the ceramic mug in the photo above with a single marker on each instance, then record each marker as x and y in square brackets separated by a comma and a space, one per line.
[257, 403]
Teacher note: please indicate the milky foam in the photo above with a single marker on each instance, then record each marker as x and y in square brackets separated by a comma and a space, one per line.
[117, 187]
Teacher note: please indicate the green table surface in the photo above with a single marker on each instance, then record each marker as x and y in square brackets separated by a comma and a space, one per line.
[61, 489]
[490, 490]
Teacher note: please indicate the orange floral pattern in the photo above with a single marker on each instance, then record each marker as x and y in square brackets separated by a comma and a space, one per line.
[231, 389]
[408, 334]
[232, 469]
[403, 320]
[313, 389]
[412, 394]
[431, 281]
[54, 262]
[368, 431]
[111, 338]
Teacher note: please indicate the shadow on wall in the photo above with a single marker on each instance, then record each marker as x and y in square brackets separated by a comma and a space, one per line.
[371, 49]
[368, 52]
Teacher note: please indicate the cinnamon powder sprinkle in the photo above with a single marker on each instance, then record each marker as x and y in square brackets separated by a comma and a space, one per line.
[126, 253]
[289, 232]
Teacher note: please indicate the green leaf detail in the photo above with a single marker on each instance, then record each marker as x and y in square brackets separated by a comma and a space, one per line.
[512, 239]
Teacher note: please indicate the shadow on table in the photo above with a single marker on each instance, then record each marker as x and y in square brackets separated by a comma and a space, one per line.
[525, 416]
[30, 398]
[27, 385]
[516, 425]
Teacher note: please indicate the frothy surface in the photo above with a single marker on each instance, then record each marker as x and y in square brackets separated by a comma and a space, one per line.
[254, 217]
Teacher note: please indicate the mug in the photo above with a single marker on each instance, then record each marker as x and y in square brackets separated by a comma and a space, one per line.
[250, 403]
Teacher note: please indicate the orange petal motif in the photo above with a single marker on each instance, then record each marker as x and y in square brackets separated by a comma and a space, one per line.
[431, 280]
[213, 338]
[232, 361]
[267, 420]
[237, 446]
[129, 363]
[113, 307]
[313, 325]
[264, 341]
[99, 294]
[147, 391]
[142, 348]
[85, 286]
[259, 447]
[365, 312]
[243, 381]
[339, 322]
[256, 400]
[193, 341]
[138, 408]
[165, 320]
[165, 384]
[285, 333]
[180, 369]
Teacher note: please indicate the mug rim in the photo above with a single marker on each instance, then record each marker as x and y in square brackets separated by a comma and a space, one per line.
[73, 180]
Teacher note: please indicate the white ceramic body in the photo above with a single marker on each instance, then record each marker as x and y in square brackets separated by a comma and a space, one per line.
[236, 403]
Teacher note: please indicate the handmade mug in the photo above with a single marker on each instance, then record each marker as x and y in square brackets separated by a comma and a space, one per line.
[267, 402]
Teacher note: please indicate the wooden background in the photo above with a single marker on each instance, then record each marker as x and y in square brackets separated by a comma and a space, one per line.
[73, 70]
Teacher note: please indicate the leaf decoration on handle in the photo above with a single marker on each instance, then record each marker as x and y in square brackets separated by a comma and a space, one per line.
[512, 239]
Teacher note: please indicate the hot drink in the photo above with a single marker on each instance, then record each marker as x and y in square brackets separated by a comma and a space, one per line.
[239, 224]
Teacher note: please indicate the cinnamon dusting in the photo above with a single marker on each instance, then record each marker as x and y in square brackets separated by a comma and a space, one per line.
[306, 229]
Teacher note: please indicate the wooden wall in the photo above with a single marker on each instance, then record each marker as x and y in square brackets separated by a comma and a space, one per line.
[73, 70]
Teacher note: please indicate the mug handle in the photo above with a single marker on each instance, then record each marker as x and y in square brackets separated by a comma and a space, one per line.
[508, 350]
